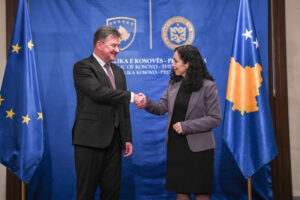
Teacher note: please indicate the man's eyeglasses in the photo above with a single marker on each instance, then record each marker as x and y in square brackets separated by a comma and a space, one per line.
[113, 45]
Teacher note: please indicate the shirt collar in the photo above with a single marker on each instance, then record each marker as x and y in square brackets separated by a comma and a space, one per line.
[100, 61]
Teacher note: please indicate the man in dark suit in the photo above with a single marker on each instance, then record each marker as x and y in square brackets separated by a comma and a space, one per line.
[102, 125]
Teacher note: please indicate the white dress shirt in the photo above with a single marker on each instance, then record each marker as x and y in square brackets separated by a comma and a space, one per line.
[102, 63]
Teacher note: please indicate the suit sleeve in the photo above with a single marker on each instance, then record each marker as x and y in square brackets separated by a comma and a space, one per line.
[158, 108]
[213, 114]
[87, 83]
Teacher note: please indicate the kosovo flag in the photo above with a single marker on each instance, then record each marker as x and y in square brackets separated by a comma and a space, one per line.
[21, 118]
[248, 129]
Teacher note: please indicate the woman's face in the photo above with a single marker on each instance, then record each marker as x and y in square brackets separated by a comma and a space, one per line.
[179, 66]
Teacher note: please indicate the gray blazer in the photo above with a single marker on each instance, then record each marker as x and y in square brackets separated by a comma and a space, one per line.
[203, 114]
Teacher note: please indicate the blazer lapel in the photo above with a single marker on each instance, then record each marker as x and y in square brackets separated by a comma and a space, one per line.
[117, 76]
[172, 95]
[193, 101]
[99, 70]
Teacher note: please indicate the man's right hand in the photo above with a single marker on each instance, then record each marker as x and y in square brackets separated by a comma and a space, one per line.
[140, 100]
[143, 101]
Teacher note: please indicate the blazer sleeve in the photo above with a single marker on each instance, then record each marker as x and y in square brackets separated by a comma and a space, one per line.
[158, 108]
[87, 83]
[213, 114]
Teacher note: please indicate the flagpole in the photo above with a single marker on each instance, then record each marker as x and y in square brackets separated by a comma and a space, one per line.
[23, 191]
[249, 189]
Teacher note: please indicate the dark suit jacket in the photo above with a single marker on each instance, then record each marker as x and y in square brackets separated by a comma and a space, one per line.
[97, 104]
[203, 114]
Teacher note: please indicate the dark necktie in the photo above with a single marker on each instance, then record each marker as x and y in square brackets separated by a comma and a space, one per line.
[110, 76]
[112, 81]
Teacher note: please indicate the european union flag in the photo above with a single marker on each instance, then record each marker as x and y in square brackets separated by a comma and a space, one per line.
[21, 118]
[248, 128]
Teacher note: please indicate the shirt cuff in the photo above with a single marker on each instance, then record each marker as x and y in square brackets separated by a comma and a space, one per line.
[131, 97]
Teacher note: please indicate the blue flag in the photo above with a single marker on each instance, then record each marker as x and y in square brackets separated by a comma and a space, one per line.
[248, 128]
[21, 117]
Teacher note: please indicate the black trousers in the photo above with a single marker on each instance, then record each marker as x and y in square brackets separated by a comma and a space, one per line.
[95, 166]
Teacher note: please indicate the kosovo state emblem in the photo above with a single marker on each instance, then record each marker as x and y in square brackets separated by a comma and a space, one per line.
[177, 31]
[127, 28]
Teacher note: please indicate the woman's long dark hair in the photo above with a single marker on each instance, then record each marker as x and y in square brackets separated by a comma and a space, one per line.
[197, 70]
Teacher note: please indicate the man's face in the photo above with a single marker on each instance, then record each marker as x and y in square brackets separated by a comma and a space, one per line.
[108, 48]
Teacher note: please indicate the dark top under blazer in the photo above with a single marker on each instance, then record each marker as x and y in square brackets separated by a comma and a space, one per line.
[97, 103]
[203, 114]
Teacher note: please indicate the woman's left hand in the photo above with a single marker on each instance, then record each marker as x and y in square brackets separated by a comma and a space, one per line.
[177, 127]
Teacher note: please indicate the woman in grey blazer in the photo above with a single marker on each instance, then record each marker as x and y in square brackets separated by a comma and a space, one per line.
[192, 103]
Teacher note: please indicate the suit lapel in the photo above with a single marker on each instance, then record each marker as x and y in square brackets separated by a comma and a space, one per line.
[193, 101]
[117, 76]
[172, 95]
[99, 70]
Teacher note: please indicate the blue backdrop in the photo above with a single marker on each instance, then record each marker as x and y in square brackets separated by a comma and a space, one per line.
[63, 33]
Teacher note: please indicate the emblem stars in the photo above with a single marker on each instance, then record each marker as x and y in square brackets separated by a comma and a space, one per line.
[127, 28]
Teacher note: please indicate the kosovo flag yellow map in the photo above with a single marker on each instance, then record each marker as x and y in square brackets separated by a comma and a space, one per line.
[243, 86]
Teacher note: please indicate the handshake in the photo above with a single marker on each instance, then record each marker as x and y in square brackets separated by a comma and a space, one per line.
[140, 100]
